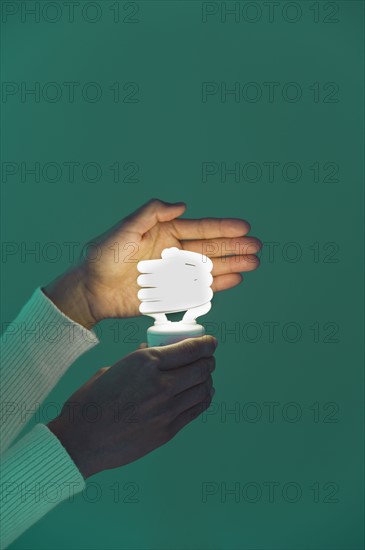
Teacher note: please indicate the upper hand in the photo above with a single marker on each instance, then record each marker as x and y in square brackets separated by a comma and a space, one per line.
[107, 286]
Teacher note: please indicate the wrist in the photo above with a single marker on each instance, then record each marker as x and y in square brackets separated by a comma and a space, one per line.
[69, 442]
[68, 294]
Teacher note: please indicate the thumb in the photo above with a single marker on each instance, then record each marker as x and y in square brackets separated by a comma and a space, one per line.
[148, 215]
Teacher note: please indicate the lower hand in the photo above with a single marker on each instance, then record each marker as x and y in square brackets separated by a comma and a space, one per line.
[138, 404]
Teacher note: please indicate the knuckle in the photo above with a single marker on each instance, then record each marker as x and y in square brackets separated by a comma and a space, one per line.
[193, 415]
[163, 383]
[203, 390]
[155, 202]
[152, 357]
[197, 411]
[206, 404]
[209, 383]
[207, 399]
[207, 365]
[203, 369]
[146, 362]
[212, 363]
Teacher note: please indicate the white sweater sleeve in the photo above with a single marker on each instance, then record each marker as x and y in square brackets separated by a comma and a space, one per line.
[36, 474]
[37, 348]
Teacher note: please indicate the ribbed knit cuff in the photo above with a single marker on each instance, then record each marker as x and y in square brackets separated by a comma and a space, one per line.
[36, 474]
[36, 350]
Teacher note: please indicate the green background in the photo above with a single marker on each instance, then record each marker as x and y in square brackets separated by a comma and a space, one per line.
[169, 133]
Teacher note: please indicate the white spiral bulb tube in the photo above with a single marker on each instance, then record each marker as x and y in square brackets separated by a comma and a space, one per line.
[179, 281]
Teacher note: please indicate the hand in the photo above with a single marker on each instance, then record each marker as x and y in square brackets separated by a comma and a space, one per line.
[130, 409]
[107, 286]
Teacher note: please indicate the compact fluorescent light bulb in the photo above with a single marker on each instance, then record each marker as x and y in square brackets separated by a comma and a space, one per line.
[179, 281]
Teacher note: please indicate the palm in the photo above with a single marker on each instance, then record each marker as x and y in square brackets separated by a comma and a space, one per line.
[119, 279]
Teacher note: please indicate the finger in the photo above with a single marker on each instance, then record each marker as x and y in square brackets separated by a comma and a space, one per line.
[148, 215]
[144, 345]
[225, 282]
[192, 396]
[210, 228]
[214, 248]
[188, 416]
[185, 352]
[192, 375]
[235, 264]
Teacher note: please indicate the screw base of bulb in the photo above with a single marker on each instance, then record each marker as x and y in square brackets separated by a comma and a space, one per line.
[172, 332]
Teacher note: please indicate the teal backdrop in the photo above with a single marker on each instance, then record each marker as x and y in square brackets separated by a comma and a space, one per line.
[240, 109]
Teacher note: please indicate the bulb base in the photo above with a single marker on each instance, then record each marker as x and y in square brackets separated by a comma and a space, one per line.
[172, 332]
